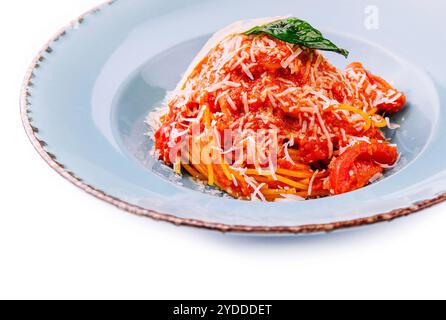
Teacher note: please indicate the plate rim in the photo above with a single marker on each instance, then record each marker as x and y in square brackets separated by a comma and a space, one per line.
[51, 160]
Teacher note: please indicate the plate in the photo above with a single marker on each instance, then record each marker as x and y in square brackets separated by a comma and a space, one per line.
[88, 91]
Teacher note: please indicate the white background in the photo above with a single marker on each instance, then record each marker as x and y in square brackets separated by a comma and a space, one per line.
[58, 242]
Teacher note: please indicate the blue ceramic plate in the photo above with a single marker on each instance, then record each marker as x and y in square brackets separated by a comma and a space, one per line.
[88, 91]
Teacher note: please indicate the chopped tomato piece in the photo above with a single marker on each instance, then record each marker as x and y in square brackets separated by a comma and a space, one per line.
[392, 101]
[354, 168]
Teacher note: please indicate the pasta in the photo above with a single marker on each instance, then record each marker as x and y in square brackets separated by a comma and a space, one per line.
[265, 119]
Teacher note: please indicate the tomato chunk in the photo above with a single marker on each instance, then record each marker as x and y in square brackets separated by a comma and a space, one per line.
[354, 168]
[392, 101]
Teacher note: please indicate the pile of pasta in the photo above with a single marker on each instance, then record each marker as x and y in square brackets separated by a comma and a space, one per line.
[263, 119]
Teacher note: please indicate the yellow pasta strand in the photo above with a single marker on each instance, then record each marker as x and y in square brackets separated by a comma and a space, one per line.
[364, 115]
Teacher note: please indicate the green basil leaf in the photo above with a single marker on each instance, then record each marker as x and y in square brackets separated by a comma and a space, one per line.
[296, 31]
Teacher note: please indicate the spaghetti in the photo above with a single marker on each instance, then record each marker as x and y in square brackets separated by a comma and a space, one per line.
[264, 119]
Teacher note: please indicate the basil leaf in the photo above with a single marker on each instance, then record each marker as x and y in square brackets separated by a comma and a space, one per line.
[296, 31]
